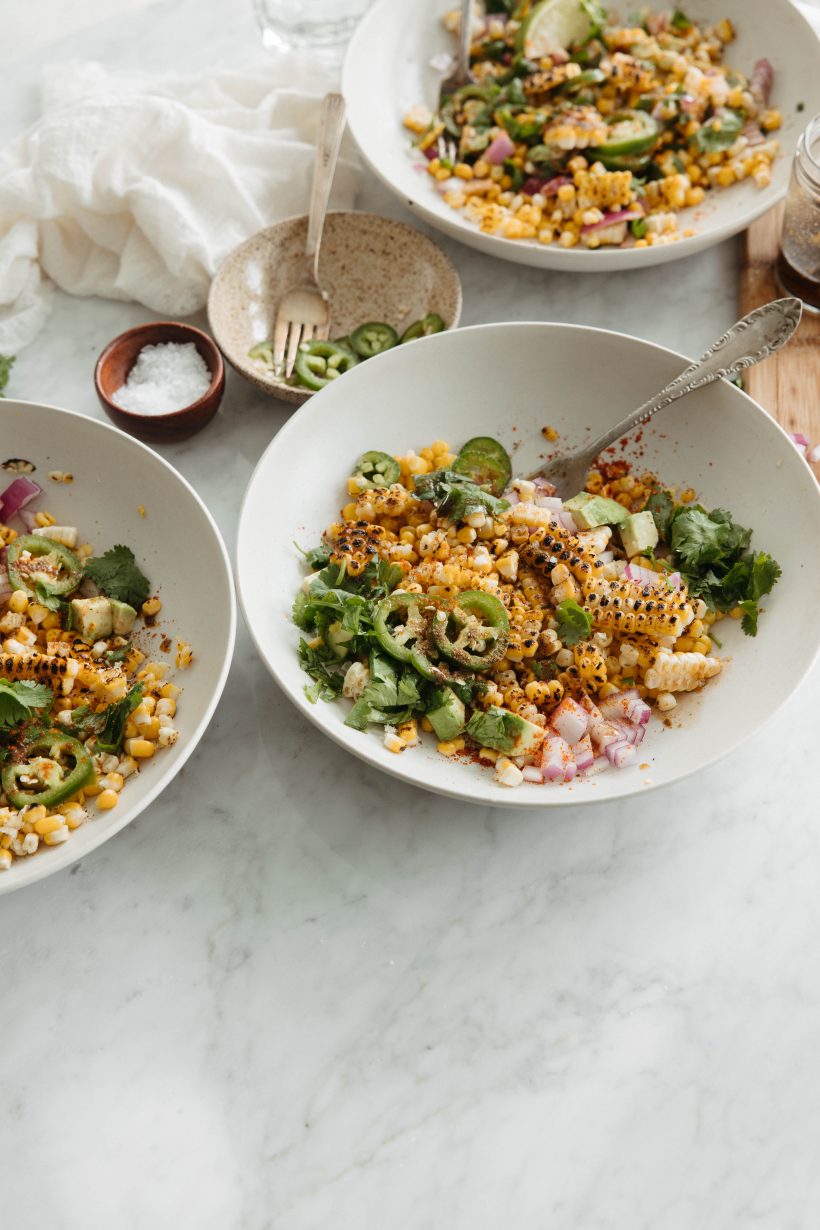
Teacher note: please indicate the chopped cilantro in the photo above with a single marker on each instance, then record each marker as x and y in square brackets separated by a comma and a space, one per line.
[574, 623]
[19, 698]
[456, 496]
[679, 21]
[116, 574]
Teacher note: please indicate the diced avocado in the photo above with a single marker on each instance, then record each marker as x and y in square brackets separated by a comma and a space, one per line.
[589, 511]
[505, 731]
[448, 718]
[336, 638]
[122, 617]
[639, 533]
[91, 618]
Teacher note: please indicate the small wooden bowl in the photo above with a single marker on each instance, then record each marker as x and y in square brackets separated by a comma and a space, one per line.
[119, 357]
[373, 268]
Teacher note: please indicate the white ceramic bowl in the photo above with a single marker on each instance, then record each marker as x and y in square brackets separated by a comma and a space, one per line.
[509, 381]
[387, 70]
[180, 549]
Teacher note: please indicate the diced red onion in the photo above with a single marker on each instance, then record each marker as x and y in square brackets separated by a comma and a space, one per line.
[688, 103]
[799, 439]
[569, 720]
[630, 732]
[547, 187]
[622, 754]
[531, 774]
[29, 519]
[566, 519]
[753, 133]
[447, 185]
[591, 708]
[512, 496]
[612, 219]
[626, 706]
[543, 485]
[500, 147]
[760, 82]
[583, 753]
[550, 501]
[644, 576]
[431, 152]
[5, 585]
[675, 580]
[557, 763]
[21, 492]
[559, 56]
[603, 733]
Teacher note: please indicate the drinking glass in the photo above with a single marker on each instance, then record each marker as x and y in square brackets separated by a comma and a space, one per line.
[321, 25]
[798, 266]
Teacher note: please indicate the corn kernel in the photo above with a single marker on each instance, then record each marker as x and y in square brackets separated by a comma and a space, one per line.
[57, 836]
[451, 746]
[107, 799]
[18, 602]
[48, 824]
[140, 749]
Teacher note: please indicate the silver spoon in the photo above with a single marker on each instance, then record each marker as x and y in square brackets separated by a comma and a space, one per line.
[460, 74]
[753, 338]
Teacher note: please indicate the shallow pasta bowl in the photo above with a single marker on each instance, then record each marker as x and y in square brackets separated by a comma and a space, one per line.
[510, 381]
[388, 70]
[181, 551]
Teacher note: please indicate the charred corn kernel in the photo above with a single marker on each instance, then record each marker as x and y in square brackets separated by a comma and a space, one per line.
[166, 707]
[57, 836]
[681, 672]
[488, 753]
[127, 766]
[544, 693]
[607, 689]
[665, 701]
[152, 606]
[695, 628]
[5, 859]
[685, 644]
[559, 574]
[702, 645]
[770, 120]
[148, 728]
[349, 512]
[42, 519]
[543, 544]
[688, 495]
[18, 602]
[140, 749]
[426, 725]
[107, 799]
[52, 620]
[169, 691]
[695, 196]
[185, 655]
[451, 747]
[132, 730]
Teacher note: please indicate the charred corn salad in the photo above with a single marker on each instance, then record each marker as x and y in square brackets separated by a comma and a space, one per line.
[529, 633]
[81, 708]
[583, 130]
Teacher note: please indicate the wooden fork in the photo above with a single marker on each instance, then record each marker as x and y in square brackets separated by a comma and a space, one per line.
[304, 312]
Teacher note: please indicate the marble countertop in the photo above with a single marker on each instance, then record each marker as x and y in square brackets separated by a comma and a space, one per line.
[309, 996]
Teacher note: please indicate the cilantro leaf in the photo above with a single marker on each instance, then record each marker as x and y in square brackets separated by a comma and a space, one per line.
[115, 716]
[19, 698]
[750, 613]
[679, 21]
[456, 496]
[661, 506]
[116, 574]
[574, 623]
[6, 364]
[322, 665]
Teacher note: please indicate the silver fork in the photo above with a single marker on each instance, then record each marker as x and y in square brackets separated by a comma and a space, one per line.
[304, 312]
[461, 74]
[753, 338]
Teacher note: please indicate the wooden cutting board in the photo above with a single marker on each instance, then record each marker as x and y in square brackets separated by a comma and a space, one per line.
[787, 384]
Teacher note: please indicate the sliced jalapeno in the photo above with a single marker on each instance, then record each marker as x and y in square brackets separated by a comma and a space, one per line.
[402, 628]
[376, 469]
[372, 338]
[474, 632]
[423, 328]
[486, 463]
[33, 560]
[47, 770]
[630, 132]
[317, 363]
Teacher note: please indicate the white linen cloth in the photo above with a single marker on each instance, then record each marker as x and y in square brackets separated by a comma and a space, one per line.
[136, 188]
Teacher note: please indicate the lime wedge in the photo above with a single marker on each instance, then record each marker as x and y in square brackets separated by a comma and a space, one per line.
[554, 25]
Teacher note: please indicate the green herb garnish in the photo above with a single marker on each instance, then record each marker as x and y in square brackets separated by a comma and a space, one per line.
[116, 574]
[574, 623]
[20, 698]
[456, 496]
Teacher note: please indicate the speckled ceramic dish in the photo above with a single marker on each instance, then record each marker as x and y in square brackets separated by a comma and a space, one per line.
[373, 268]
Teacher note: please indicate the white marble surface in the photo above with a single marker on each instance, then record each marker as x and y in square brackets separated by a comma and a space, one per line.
[295, 994]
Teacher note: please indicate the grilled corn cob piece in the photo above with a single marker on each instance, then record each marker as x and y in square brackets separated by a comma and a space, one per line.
[40, 666]
[356, 542]
[627, 607]
[545, 547]
[681, 672]
[539, 86]
[612, 190]
[577, 128]
[382, 502]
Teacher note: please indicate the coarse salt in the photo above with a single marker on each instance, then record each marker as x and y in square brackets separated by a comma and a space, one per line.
[165, 377]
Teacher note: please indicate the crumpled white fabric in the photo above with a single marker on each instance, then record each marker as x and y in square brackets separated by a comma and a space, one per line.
[136, 188]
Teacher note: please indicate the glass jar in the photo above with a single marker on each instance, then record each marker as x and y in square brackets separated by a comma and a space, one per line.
[798, 265]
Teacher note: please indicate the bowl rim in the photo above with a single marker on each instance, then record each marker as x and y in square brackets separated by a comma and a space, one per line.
[559, 798]
[279, 387]
[553, 256]
[40, 869]
[169, 416]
